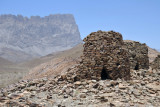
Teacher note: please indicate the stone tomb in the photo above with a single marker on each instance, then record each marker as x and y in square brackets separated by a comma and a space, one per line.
[156, 63]
[138, 55]
[104, 57]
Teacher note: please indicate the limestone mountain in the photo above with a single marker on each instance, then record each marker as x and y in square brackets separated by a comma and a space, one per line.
[36, 36]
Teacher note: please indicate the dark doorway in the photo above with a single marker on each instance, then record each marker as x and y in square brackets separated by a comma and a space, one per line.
[104, 74]
[136, 67]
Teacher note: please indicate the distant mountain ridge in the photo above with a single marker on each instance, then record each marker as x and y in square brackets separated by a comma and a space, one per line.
[37, 36]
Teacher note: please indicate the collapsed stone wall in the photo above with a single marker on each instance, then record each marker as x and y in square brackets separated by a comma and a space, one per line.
[156, 63]
[104, 57]
[138, 55]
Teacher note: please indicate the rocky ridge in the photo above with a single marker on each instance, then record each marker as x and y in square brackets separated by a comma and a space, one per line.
[36, 36]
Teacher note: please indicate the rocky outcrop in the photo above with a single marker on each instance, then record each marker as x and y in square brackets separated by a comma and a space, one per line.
[104, 57]
[138, 55]
[37, 36]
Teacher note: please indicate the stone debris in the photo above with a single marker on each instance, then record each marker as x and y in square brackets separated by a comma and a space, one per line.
[142, 90]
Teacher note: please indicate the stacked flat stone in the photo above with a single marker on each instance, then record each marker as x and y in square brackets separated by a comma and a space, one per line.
[138, 55]
[156, 63]
[104, 57]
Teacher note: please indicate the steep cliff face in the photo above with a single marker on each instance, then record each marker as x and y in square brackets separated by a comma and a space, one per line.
[38, 36]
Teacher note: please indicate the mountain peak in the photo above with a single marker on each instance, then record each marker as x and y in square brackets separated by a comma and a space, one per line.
[39, 36]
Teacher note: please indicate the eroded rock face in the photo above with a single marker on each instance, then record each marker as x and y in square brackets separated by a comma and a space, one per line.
[103, 57]
[156, 63]
[36, 36]
[138, 55]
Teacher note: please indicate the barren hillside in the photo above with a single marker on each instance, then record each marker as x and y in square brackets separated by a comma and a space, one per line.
[10, 72]
[73, 53]
[57, 63]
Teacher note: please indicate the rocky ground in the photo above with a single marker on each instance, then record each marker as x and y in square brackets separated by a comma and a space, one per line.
[49, 66]
[143, 90]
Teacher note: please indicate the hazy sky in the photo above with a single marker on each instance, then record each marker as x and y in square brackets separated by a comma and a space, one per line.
[135, 19]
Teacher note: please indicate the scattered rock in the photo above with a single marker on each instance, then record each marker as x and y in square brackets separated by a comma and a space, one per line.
[82, 95]
[103, 99]
[122, 86]
[87, 92]
[155, 87]
[113, 83]
[77, 83]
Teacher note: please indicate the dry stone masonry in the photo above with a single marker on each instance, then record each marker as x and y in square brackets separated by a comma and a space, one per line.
[104, 57]
[138, 55]
[156, 63]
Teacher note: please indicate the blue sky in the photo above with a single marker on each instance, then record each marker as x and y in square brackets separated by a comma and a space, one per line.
[135, 19]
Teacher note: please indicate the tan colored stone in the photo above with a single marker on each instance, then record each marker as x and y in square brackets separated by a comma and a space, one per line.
[153, 86]
[123, 86]
[77, 83]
